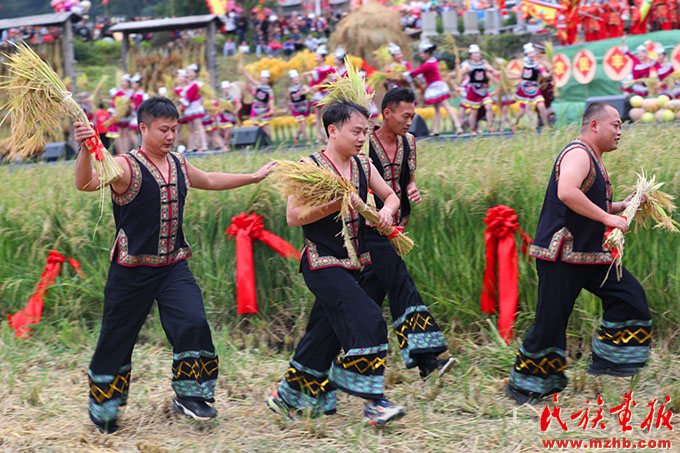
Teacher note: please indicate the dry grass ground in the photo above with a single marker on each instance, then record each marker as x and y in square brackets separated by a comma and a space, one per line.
[43, 390]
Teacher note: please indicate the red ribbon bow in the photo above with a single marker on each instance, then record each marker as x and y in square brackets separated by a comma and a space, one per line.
[95, 146]
[246, 229]
[32, 313]
[501, 224]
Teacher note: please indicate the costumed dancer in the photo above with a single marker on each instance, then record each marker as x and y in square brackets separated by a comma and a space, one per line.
[398, 57]
[437, 91]
[121, 132]
[138, 96]
[593, 22]
[149, 262]
[212, 133]
[569, 252]
[317, 78]
[637, 26]
[614, 11]
[339, 62]
[261, 111]
[112, 132]
[546, 79]
[193, 110]
[662, 14]
[663, 69]
[528, 92]
[180, 84]
[227, 119]
[477, 95]
[393, 152]
[343, 316]
[642, 67]
[299, 105]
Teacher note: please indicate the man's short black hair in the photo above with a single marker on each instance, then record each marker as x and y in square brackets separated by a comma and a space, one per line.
[593, 110]
[154, 108]
[338, 112]
[396, 95]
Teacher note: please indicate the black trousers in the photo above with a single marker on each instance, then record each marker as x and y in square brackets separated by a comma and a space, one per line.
[128, 296]
[343, 318]
[622, 340]
[420, 339]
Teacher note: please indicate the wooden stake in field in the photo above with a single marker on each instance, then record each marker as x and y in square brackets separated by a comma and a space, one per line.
[38, 102]
[656, 208]
[315, 186]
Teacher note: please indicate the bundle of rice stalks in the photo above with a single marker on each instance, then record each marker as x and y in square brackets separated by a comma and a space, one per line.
[302, 61]
[226, 105]
[314, 186]
[652, 84]
[383, 56]
[275, 66]
[656, 209]
[505, 85]
[376, 79]
[368, 27]
[352, 87]
[122, 106]
[82, 82]
[38, 101]
[97, 90]
[212, 108]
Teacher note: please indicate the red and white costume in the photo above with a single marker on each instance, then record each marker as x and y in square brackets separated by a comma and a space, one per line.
[436, 89]
[114, 129]
[319, 75]
[477, 91]
[528, 92]
[663, 72]
[138, 97]
[191, 102]
[227, 118]
[641, 70]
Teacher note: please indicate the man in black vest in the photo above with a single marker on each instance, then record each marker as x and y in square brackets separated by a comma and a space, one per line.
[148, 261]
[343, 316]
[570, 256]
[393, 152]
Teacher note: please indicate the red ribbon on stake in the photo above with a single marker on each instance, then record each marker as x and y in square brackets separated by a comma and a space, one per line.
[501, 224]
[246, 229]
[32, 313]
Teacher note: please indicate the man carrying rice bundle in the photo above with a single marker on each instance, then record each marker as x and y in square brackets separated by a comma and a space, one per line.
[393, 152]
[570, 256]
[149, 262]
[343, 316]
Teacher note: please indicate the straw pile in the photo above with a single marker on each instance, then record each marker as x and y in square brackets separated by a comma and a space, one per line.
[38, 101]
[655, 210]
[314, 186]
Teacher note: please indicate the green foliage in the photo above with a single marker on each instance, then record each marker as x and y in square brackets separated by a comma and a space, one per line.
[96, 52]
[40, 210]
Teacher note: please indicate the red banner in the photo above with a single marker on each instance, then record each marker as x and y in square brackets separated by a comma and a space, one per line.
[32, 313]
[246, 229]
[500, 288]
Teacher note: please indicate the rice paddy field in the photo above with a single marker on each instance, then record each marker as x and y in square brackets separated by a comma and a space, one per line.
[43, 380]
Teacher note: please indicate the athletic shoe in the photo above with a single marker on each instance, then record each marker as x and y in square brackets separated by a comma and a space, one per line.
[441, 366]
[379, 412]
[518, 397]
[597, 369]
[105, 427]
[279, 406]
[198, 410]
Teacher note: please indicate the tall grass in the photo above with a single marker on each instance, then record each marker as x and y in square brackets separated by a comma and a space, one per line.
[40, 210]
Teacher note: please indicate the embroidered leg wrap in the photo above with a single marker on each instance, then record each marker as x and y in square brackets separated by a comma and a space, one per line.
[539, 374]
[361, 372]
[418, 335]
[308, 390]
[194, 374]
[622, 345]
[107, 394]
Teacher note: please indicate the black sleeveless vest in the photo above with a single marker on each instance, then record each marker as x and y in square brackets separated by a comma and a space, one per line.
[561, 231]
[323, 241]
[478, 73]
[149, 214]
[397, 174]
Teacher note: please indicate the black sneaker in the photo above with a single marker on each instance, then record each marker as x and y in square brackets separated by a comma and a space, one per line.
[597, 369]
[441, 366]
[518, 397]
[198, 410]
[105, 427]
